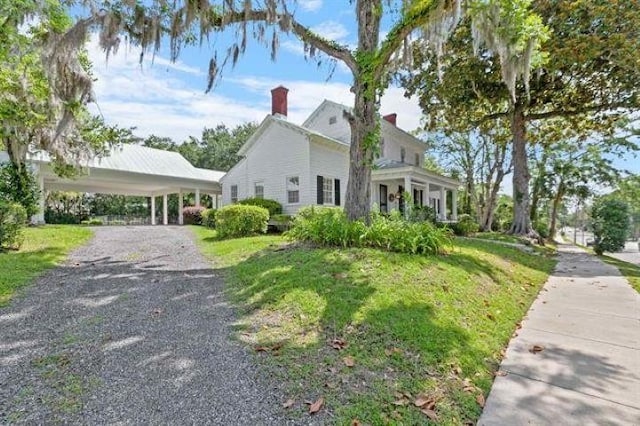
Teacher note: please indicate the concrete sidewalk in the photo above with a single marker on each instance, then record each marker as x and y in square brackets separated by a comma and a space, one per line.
[587, 322]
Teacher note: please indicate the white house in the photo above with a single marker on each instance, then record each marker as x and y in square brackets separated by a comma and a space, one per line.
[308, 164]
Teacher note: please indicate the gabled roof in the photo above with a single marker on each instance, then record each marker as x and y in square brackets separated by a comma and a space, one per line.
[143, 160]
[386, 125]
[270, 120]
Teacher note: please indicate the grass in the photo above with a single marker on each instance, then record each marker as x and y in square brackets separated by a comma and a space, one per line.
[498, 236]
[630, 271]
[43, 248]
[411, 324]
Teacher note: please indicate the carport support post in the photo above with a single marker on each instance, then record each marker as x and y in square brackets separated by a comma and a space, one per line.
[165, 210]
[153, 209]
[197, 197]
[180, 207]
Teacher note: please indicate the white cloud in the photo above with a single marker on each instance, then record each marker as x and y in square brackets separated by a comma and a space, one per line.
[310, 5]
[156, 100]
[331, 30]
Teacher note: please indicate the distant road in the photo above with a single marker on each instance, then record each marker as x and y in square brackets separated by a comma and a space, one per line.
[630, 253]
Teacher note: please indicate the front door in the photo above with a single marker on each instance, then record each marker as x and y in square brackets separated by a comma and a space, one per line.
[384, 207]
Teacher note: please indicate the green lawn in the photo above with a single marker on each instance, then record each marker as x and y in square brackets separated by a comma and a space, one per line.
[43, 248]
[498, 236]
[629, 270]
[411, 325]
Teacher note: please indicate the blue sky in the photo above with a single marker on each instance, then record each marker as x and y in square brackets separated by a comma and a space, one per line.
[168, 99]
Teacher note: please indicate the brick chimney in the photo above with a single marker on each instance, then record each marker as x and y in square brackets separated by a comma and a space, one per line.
[279, 101]
[391, 118]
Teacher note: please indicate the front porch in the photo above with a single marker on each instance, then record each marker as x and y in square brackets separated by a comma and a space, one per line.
[390, 186]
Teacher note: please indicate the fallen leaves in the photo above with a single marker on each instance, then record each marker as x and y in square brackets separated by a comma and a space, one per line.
[273, 348]
[349, 361]
[338, 344]
[391, 351]
[480, 400]
[430, 413]
[288, 404]
[316, 406]
[536, 349]
[425, 402]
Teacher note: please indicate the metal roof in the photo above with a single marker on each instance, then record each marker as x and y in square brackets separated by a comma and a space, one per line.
[144, 160]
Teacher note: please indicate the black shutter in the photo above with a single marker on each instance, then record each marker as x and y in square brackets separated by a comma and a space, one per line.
[337, 191]
[320, 189]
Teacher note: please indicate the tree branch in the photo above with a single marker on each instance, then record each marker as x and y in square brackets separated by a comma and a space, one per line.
[329, 47]
[578, 111]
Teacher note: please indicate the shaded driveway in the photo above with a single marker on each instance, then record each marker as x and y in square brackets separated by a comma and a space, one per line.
[631, 253]
[133, 329]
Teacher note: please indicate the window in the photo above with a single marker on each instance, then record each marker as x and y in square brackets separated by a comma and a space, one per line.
[327, 191]
[333, 119]
[234, 193]
[417, 160]
[382, 147]
[293, 189]
[403, 154]
[258, 190]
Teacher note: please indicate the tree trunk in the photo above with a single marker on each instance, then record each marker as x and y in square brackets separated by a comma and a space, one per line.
[521, 202]
[538, 185]
[554, 210]
[364, 121]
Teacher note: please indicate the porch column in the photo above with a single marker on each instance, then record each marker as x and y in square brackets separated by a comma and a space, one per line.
[197, 197]
[443, 203]
[407, 189]
[217, 198]
[153, 209]
[425, 195]
[180, 207]
[454, 204]
[165, 210]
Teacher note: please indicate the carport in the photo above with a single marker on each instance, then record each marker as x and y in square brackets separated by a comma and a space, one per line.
[132, 170]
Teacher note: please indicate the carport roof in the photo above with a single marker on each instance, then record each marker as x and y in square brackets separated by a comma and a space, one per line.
[144, 160]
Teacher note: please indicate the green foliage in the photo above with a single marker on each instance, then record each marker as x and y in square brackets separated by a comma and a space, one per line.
[610, 222]
[92, 222]
[209, 218]
[19, 186]
[273, 206]
[541, 226]
[329, 226]
[192, 215]
[422, 214]
[465, 226]
[12, 220]
[241, 221]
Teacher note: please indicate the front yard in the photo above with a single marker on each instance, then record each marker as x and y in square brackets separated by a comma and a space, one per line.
[43, 248]
[374, 336]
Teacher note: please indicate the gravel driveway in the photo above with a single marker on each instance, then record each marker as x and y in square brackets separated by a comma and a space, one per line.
[133, 329]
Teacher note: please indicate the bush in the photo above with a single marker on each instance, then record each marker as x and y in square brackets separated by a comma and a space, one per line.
[610, 221]
[241, 220]
[19, 186]
[329, 227]
[465, 226]
[12, 219]
[192, 215]
[281, 222]
[422, 214]
[54, 217]
[273, 206]
[92, 222]
[541, 226]
[209, 218]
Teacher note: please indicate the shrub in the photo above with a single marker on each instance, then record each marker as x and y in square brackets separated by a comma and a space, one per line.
[330, 227]
[12, 219]
[273, 206]
[92, 222]
[541, 226]
[422, 214]
[610, 221]
[54, 217]
[19, 186]
[192, 215]
[281, 222]
[241, 220]
[209, 218]
[465, 226]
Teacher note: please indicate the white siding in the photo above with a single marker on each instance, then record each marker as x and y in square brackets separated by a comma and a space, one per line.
[279, 153]
[340, 130]
[328, 161]
[392, 150]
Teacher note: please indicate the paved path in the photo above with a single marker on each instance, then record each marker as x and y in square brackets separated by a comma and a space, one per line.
[134, 329]
[587, 319]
